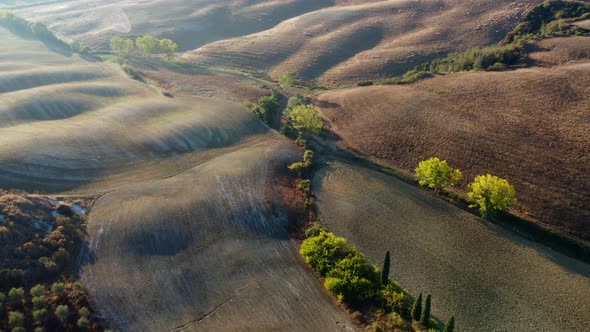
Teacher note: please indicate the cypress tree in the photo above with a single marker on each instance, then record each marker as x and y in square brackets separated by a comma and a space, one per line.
[450, 325]
[417, 308]
[385, 271]
[425, 318]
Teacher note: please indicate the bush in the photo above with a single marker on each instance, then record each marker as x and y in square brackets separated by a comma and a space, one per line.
[38, 290]
[58, 288]
[353, 279]
[40, 315]
[267, 108]
[365, 83]
[62, 312]
[306, 119]
[18, 329]
[323, 251]
[83, 312]
[38, 302]
[302, 167]
[16, 318]
[83, 323]
[286, 80]
[16, 296]
[491, 194]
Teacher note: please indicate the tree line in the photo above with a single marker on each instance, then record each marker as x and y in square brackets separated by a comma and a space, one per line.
[146, 45]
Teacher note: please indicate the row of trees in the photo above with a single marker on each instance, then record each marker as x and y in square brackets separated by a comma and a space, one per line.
[146, 45]
[356, 282]
[489, 193]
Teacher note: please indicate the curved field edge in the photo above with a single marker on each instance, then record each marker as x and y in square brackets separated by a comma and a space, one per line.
[489, 278]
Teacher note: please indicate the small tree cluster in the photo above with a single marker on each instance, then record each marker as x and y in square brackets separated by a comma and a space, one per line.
[301, 168]
[267, 107]
[489, 193]
[147, 45]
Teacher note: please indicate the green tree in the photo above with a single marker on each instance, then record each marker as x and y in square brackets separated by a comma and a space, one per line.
[83, 323]
[15, 319]
[38, 290]
[437, 174]
[302, 167]
[425, 316]
[417, 308]
[16, 296]
[286, 80]
[18, 329]
[450, 325]
[491, 194]
[306, 119]
[62, 312]
[40, 315]
[385, 271]
[169, 47]
[147, 44]
[121, 47]
[58, 288]
[83, 312]
[38, 302]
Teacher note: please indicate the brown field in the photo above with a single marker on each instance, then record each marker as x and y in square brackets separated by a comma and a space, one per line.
[488, 277]
[530, 126]
[368, 40]
[182, 236]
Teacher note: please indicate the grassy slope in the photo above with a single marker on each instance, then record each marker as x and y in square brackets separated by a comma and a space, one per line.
[77, 126]
[529, 126]
[489, 278]
[369, 40]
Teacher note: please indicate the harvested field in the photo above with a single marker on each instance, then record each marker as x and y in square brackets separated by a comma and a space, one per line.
[489, 278]
[182, 236]
[205, 253]
[365, 40]
[530, 126]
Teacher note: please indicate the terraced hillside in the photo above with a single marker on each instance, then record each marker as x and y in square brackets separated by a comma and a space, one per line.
[488, 277]
[365, 40]
[182, 236]
[529, 126]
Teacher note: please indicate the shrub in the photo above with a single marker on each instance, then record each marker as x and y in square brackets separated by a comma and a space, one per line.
[437, 174]
[425, 316]
[365, 83]
[16, 318]
[58, 288]
[38, 302]
[286, 80]
[62, 312]
[267, 107]
[40, 315]
[397, 299]
[83, 312]
[18, 329]
[491, 194]
[16, 296]
[353, 279]
[83, 323]
[303, 167]
[38, 290]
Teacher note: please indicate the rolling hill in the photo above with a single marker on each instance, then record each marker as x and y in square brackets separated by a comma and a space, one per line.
[529, 126]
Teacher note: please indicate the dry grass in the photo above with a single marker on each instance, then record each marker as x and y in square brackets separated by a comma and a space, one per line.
[529, 126]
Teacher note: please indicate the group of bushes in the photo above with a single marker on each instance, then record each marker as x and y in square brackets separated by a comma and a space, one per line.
[267, 108]
[59, 307]
[489, 193]
[358, 284]
[550, 19]
[146, 45]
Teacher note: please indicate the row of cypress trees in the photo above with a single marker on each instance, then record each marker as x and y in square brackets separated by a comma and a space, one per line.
[419, 313]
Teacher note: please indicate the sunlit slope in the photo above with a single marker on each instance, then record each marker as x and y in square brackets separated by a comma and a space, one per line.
[65, 123]
[202, 251]
[190, 23]
[489, 278]
[529, 126]
[367, 39]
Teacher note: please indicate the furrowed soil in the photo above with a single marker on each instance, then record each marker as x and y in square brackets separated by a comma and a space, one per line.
[530, 126]
[487, 277]
[182, 236]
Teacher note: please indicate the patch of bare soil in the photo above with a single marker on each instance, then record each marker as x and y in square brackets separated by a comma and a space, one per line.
[530, 126]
